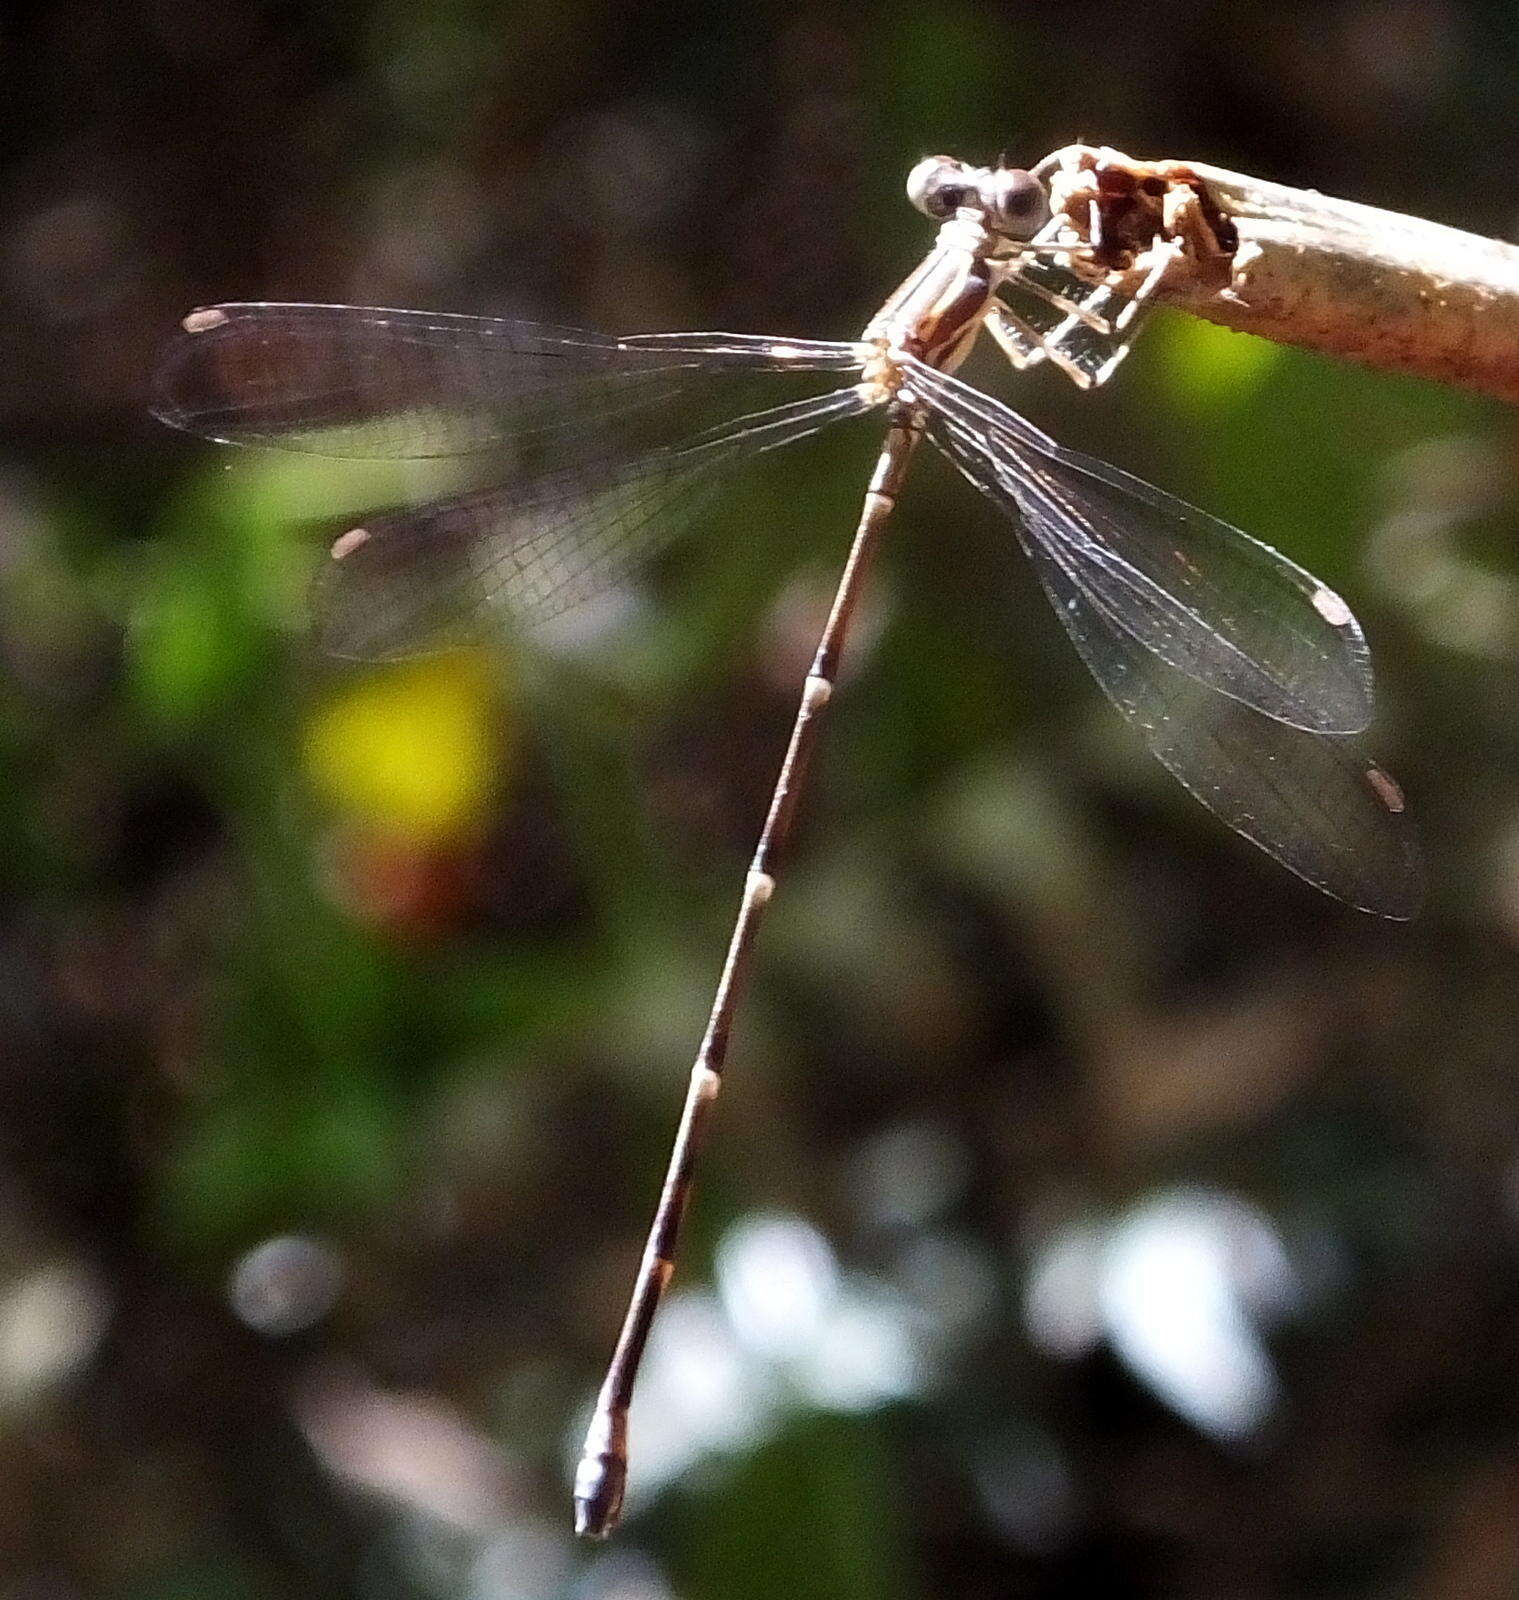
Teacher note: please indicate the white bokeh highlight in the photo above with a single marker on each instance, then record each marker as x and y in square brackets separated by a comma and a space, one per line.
[1180, 1285]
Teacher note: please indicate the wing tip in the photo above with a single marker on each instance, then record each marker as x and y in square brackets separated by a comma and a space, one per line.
[1406, 905]
[171, 397]
[1386, 788]
[1332, 607]
[346, 543]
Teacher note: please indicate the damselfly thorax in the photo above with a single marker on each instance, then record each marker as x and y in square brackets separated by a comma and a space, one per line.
[938, 312]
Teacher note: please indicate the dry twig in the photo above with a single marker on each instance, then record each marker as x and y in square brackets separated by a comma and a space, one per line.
[1300, 267]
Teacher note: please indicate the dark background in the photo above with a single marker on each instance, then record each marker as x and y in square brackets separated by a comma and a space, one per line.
[1093, 1207]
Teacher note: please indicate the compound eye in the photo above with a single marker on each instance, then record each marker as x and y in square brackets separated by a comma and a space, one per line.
[1016, 202]
[937, 186]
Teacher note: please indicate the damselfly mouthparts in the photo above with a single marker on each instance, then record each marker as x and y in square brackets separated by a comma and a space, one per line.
[1243, 673]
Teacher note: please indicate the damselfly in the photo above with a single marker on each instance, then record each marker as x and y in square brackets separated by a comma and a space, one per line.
[1242, 673]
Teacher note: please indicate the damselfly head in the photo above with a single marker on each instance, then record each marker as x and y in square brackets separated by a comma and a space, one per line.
[939, 185]
[1017, 204]
[1012, 202]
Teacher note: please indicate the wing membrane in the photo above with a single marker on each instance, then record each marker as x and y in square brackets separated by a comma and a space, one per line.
[361, 381]
[521, 555]
[1208, 600]
[1311, 801]
[590, 444]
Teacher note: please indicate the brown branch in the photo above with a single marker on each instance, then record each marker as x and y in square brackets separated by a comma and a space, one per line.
[1303, 268]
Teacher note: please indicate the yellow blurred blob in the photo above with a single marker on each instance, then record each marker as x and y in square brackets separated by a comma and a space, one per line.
[417, 748]
[1205, 367]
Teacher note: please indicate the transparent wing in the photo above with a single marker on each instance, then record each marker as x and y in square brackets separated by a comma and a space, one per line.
[416, 580]
[1311, 801]
[591, 446]
[360, 381]
[1208, 600]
